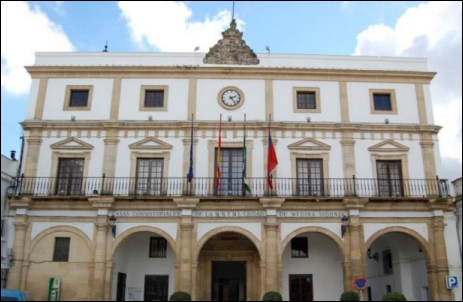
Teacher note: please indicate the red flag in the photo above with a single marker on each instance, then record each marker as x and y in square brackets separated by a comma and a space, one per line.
[272, 160]
[218, 174]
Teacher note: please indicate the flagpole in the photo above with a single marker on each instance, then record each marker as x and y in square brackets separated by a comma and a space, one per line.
[268, 172]
[218, 172]
[246, 186]
[191, 153]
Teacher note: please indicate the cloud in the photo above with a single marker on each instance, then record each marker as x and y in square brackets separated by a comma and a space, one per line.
[168, 25]
[348, 6]
[24, 31]
[58, 7]
[431, 30]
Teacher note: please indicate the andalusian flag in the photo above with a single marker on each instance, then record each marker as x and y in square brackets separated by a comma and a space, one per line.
[218, 174]
[245, 181]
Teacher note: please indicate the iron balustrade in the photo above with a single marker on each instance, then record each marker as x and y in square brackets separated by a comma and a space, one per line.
[206, 187]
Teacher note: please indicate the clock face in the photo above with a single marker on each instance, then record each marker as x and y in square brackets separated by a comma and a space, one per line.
[231, 97]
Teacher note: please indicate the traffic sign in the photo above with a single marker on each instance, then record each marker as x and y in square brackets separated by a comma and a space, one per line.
[360, 283]
[452, 282]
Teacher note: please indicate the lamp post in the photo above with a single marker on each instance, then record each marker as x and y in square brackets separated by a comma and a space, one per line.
[112, 223]
[344, 225]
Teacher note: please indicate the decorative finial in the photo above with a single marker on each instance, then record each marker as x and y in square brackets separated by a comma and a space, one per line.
[233, 11]
[106, 47]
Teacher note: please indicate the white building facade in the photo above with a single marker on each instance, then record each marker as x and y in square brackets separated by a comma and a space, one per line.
[9, 173]
[111, 134]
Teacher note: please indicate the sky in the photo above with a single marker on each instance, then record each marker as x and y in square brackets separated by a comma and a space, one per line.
[432, 30]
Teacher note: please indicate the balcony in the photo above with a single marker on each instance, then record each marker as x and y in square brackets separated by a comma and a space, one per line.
[231, 187]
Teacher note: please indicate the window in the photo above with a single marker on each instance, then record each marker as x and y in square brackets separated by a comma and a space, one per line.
[370, 294]
[387, 262]
[61, 253]
[389, 178]
[310, 177]
[149, 176]
[300, 288]
[231, 169]
[300, 247]
[153, 98]
[70, 176]
[388, 289]
[158, 247]
[306, 100]
[4, 277]
[78, 97]
[383, 101]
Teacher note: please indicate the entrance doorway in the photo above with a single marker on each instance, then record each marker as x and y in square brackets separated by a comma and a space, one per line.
[300, 288]
[229, 281]
[156, 288]
[228, 269]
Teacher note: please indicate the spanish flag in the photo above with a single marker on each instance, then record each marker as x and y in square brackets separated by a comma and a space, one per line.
[272, 160]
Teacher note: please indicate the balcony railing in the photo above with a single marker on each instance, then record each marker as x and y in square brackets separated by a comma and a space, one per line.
[206, 187]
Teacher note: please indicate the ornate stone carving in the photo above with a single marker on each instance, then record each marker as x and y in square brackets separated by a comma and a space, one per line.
[231, 49]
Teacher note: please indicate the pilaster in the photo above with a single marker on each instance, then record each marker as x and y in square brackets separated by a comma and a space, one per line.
[440, 249]
[110, 154]
[272, 277]
[429, 159]
[33, 152]
[98, 287]
[18, 270]
[187, 271]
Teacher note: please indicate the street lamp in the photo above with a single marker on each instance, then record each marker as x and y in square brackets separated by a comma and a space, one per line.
[112, 223]
[344, 225]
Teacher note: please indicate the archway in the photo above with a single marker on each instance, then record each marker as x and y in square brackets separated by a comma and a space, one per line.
[43, 265]
[312, 266]
[228, 267]
[397, 262]
[144, 266]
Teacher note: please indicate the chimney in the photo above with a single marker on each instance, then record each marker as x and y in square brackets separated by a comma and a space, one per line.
[13, 155]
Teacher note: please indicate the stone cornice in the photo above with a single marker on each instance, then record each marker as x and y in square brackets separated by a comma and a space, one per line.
[30, 125]
[228, 71]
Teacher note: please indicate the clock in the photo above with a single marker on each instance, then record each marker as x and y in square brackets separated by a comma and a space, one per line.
[231, 98]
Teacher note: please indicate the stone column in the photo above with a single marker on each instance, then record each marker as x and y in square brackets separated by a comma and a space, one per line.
[16, 274]
[429, 159]
[102, 204]
[16, 271]
[272, 244]
[185, 256]
[442, 269]
[186, 243]
[33, 152]
[271, 282]
[99, 270]
[355, 238]
[110, 153]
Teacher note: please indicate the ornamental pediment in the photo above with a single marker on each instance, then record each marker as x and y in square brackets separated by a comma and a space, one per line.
[150, 143]
[231, 49]
[309, 144]
[389, 146]
[71, 144]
